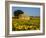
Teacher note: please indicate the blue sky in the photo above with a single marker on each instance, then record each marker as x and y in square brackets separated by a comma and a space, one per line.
[30, 11]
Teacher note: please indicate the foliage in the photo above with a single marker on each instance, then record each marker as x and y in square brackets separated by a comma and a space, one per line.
[21, 25]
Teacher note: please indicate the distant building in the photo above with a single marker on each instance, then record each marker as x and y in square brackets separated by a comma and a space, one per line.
[24, 17]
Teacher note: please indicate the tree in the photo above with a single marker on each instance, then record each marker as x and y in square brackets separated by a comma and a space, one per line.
[18, 12]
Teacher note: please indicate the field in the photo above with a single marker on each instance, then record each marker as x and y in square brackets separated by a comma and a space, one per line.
[23, 25]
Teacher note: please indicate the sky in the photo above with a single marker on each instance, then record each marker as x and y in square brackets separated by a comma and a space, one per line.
[30, 11]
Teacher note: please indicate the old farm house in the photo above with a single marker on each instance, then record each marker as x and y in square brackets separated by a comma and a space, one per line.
[24, 17]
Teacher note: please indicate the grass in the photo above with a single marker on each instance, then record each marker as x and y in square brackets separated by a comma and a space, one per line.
[22, 25]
